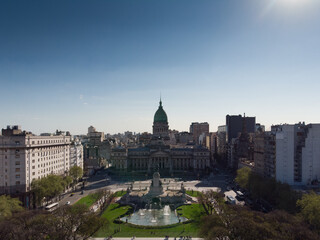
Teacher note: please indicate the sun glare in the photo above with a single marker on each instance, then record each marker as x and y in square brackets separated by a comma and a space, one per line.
[293, 3]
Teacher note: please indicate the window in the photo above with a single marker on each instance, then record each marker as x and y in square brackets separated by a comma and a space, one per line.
[17, 169]
[18, 176]
[17, 163]
[17, 142]
[33, 173]
[17, 182]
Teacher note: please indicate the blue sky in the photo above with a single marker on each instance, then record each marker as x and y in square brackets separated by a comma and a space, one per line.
[71, 64]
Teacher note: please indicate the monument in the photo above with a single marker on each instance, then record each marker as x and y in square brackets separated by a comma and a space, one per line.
[153, 201]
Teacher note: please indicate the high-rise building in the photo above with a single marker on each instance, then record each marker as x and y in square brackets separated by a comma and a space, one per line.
[234, 125]
[94, 137]
[265, 154]
[298, 153]
[25, 157]
[222, 143]
[198, 129]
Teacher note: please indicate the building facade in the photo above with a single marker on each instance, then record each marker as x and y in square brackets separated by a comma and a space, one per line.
[25, 157]
[76, 154]
[234, 125]
[160, 124]
[265, 154]
[158, 155]
[197, 129]
[298, 153]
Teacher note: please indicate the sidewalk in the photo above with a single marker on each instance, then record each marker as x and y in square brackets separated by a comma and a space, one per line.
[146, 238]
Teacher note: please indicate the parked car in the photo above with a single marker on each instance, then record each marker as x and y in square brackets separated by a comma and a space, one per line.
[68, 203]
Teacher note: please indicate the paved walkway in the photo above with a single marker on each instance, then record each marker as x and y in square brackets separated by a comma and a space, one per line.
[146, 238]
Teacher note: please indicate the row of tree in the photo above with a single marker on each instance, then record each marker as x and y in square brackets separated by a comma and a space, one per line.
[67, 222]
[52, 186]
[240, 223]
[278, 194]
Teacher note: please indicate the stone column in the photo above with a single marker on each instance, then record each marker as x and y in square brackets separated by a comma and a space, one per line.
[149, 164]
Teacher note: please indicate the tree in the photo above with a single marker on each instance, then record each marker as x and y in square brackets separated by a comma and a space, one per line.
[48, 187]
[69, 223]
[310, 209]
[25, 225]
[243, 175]
[76, 222]
[75, 172]
[8, 206]
[210, 201]
[279, 195]
[67, 180]
[240, 223]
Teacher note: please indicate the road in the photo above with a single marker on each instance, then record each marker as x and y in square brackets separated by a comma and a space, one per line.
[217, 183]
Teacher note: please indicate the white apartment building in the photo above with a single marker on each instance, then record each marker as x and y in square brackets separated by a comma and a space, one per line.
[285, 154]
[25, 157]
[298, 153]
[311, 155]
[76, 154]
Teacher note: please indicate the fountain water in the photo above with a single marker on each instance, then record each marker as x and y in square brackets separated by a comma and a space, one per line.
[166, 210]
[141, 212]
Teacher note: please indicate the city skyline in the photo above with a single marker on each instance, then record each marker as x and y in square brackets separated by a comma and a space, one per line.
[66, 66]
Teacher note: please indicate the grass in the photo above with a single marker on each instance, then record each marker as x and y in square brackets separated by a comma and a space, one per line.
[89, 200]
[194, 212]
[193, 193]
[120, 193]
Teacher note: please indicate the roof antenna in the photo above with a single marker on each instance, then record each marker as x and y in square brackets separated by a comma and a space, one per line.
[160, 100]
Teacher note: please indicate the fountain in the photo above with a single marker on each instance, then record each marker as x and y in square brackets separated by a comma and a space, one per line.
[153, 213]
[141, 212]
[154, 217]
[166, 210]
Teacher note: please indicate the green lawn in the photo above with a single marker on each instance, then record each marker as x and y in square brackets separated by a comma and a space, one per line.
[193, 211]
[120, 193]
[89, 200]
[193, 193]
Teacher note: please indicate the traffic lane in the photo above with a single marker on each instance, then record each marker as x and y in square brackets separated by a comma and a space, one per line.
[234, 195]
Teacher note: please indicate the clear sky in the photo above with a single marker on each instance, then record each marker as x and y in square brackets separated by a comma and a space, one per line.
[71, 64]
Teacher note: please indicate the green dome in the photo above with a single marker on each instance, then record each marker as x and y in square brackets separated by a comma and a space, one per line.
[160, 115]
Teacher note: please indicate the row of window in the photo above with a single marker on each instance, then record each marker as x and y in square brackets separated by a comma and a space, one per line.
[49, 141]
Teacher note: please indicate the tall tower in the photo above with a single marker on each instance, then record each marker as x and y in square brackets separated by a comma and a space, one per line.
[160, 122]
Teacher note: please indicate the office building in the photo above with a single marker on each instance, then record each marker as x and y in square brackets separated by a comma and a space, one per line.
[25, 157]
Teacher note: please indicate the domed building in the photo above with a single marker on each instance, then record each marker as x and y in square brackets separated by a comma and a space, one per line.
[160, 123]
[158, 155]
